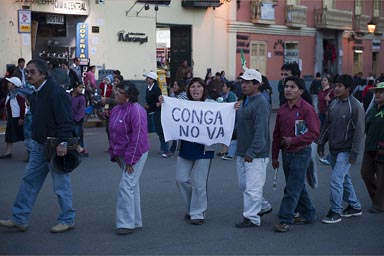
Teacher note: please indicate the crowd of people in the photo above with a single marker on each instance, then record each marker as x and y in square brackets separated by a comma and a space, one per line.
[307, 120]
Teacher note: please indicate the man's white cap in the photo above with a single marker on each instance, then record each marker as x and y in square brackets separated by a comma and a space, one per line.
[15, 80]
[151, 75]
[252, 74]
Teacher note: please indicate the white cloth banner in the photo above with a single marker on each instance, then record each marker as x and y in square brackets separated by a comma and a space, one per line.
[196, 121]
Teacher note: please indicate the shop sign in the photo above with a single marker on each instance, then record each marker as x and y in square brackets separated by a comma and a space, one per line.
[82, 40]
[72, 7]
[55, 19]
[376, 45]
[24, 21]
[132, 37]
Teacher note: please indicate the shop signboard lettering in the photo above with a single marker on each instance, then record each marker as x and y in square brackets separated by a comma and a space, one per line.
[132, 37]
[76, 7]
[82, 40]
[55, 19]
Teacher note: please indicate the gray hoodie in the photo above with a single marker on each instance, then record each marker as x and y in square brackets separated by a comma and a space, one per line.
[253, 137]
[344, 127]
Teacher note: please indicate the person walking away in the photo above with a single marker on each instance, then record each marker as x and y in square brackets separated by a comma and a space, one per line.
[253, 147]
[372, 167]
[15, 109]
[343, 129]
[296, 127]
[52, 117]
[314, 89]
[128, 147]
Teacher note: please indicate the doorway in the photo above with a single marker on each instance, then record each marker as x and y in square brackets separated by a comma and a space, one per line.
[174, 44]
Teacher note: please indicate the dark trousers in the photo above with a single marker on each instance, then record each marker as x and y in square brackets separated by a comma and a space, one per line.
[296, 197]
[372, 173]
[79, 131]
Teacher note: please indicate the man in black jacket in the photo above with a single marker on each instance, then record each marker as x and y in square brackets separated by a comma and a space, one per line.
[73, 78]
[52, 117]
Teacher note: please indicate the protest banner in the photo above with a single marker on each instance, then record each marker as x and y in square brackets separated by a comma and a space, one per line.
[196, 121]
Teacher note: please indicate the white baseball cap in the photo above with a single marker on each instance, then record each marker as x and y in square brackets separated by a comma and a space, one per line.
[15, 80]
[151, 75]
[252, 74]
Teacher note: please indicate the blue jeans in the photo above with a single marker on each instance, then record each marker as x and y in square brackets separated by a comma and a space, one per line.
[31, 183]
[341, 183]
[232, 148]
[296, 197]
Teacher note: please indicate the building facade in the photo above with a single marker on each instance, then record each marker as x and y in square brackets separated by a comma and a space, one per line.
[117, 34]
[326, 36]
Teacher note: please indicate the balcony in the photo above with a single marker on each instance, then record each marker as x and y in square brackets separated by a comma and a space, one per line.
[333, 19]
[379, 25]
[360, 23]
[296, 16]
[200, 3]
[262, 12]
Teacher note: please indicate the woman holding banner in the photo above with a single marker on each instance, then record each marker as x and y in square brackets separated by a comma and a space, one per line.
[193, 164]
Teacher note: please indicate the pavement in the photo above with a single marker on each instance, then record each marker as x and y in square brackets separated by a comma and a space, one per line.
[165, 232]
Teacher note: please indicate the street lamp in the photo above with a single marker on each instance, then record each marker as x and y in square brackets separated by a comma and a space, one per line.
[371, 27]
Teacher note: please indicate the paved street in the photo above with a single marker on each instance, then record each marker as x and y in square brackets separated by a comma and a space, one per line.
[95, 185]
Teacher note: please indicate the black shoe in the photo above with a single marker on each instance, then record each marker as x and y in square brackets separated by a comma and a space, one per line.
[7, 156]
[124, 231]
[197, 222]
[247, 223]
[332, 217]
[351, 212]
[262, 213]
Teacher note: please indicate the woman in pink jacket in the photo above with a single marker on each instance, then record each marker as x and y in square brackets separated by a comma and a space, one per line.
[128, 147]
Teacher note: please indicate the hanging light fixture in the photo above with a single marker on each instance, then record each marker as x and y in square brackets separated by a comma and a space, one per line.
[371, 27]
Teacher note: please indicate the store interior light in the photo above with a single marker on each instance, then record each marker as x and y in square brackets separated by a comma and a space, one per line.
[371, 27]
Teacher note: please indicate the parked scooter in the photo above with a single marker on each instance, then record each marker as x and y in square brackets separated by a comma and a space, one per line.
[95, 108]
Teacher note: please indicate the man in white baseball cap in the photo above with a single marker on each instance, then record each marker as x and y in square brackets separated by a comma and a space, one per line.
[154, 110]
[14, 80]
[252, 74]
[151, 75]
[253, 146]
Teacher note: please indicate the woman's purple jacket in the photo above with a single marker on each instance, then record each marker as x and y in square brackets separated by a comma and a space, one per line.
[128, 132]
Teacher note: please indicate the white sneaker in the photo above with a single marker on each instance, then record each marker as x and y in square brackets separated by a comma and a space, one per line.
[324, 161]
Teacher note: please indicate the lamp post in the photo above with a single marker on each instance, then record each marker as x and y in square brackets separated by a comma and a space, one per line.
[371, 27]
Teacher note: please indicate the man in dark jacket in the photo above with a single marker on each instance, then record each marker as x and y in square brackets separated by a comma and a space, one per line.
[73, 78]
[343, 128]
[52, 117]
